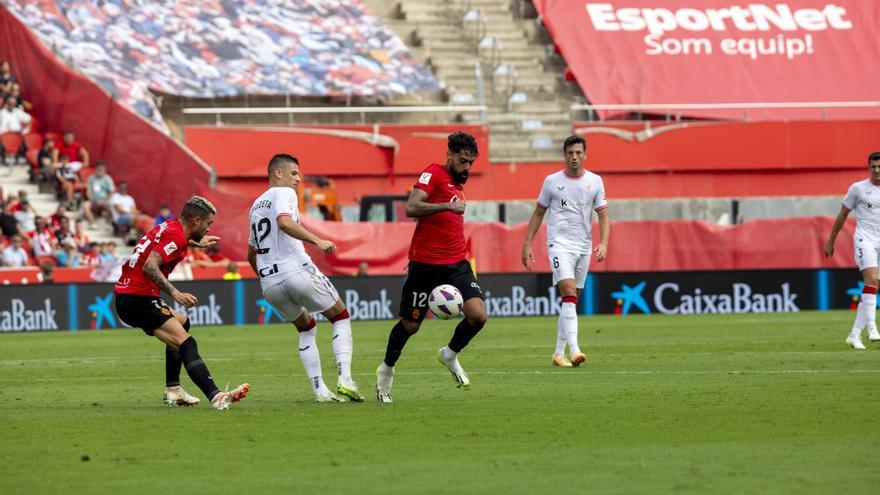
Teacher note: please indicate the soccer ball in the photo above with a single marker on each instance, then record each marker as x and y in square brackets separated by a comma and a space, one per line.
[445, 301]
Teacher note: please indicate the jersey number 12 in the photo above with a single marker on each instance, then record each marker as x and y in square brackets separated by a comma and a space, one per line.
[261, 231]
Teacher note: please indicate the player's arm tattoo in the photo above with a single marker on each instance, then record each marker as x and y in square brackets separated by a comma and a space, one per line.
[416, 206]
[151, 268]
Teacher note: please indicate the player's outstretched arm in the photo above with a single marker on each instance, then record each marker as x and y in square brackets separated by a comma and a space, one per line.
[835, 229]
[297, 231]
[252, 259]
[604, 234]
[416, 206]
[531, 231]
[151, 268]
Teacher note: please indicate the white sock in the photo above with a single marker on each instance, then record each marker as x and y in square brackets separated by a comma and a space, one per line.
[867, 309]
[569, 321]
[311, 359]
[560, 337]
[342, 347]
[447, 354]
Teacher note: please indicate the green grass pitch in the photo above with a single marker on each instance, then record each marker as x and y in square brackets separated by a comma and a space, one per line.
[697, 404]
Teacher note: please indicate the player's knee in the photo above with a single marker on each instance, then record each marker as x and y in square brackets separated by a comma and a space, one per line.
[410, 326]
[311, 324]
[478, 319]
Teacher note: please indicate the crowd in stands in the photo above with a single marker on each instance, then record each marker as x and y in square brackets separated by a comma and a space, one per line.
[63, 165]
[211, 49]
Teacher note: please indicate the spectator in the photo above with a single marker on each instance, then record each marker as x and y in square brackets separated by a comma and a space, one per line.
[8, 224]
[99, 187]
[6, 78]
[13, 118]
[55, 219]
[20, 102]
[123, 210]
[44, 169]
[232, 271]
[25, 214]
[69, 180]
[70, 147]
[362, 269]
[46, 269]
[67, 256]
[109, 252]
[14, 255]
[213, 252]
[43, 241]
[197, 256]
[80, 236]
[64, 232]
[164, 215]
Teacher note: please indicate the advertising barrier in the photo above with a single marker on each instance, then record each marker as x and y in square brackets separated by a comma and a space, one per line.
[91, 306]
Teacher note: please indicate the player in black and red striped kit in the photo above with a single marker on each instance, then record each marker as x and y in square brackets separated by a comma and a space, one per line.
[437, 256]
[138, 303]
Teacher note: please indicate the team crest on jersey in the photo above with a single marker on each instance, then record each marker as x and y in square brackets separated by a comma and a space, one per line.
[425, 178]
[170, 248]
[416, 313]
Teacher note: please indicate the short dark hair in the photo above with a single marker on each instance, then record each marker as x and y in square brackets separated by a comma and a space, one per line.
[573, 140]
[197, 206]
[279, 160]
[462, 141]
[100, 163]
[873, 157]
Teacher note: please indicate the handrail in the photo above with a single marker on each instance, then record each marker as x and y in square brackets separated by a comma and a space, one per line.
[675, 109]
[304, 110]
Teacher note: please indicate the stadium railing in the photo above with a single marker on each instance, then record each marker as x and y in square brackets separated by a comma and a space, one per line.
[674, 111]
[363, 111]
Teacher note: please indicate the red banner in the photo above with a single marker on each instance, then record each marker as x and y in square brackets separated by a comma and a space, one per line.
[722, 51]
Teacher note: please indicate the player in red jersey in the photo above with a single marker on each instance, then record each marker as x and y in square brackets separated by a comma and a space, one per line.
[437, 256]
[138, 303]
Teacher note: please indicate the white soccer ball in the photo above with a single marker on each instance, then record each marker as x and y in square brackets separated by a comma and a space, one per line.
[445, 301]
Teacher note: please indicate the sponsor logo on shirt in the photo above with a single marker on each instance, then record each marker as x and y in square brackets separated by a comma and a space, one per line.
[170, 248]
[425, 178]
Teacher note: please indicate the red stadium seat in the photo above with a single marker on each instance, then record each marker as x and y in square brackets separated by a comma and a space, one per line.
[11, 142]
[53, 135]
[35, 124]
[33, 141]
[31, 155]
[86, 172]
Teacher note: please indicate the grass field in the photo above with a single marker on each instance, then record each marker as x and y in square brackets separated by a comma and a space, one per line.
[697, 404]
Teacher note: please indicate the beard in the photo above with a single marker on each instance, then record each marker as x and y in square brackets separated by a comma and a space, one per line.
[459, 177]
[197, 236]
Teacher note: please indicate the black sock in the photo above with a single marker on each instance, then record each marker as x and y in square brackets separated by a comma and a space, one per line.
[464, 332]
[172, 363]
[196, 369]
[396, 340]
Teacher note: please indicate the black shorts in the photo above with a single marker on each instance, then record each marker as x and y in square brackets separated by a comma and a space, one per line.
[145, 312]
[422, 278]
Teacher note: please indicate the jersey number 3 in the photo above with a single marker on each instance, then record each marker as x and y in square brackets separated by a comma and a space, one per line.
[261, 231]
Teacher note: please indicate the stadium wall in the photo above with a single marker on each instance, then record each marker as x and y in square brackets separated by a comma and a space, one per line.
[91, 306]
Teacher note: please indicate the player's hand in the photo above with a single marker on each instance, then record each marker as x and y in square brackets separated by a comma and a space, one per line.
[527, 257]
[828, 249]
[326, 247]
[457, 207]
[208, 241]
[601, 251]
[185, 299]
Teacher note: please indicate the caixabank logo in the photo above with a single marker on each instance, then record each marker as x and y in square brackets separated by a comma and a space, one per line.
[267, 312]
[102, 314]
[855, 294]
[672, 298]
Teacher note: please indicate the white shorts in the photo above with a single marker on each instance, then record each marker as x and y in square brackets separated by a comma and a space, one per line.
[569, 265]
[866, 252]
[304, 290]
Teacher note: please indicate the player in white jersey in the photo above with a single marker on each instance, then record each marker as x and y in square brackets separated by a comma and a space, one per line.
[292, 284]
[864, 197]
[571, 195]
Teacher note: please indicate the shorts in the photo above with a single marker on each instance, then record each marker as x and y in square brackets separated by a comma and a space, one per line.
[865, 252]
[421, 280]
[569, 265]
[304, 290]
[145, 312]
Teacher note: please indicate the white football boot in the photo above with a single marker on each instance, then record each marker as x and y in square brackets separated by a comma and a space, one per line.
[855, 341]
[177, 396]
[873, 334]
[449, 359]
[384, 378]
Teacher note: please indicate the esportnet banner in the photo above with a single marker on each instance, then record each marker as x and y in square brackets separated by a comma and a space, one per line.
[722, 51]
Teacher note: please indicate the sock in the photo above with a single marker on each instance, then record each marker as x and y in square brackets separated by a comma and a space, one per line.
[867, 310]
[560, 337]
[173, 363]
[464, 332]
[569, 322]
[196, 368]
[396, 340]
[342, 344]
[311, 359]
